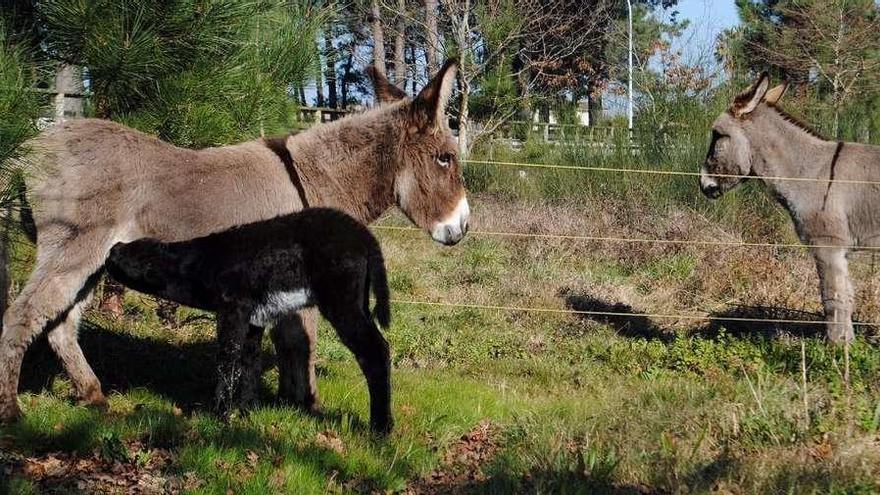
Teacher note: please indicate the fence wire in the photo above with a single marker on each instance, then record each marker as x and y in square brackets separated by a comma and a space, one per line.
[623, 314]
[637, 240]
[647, 171]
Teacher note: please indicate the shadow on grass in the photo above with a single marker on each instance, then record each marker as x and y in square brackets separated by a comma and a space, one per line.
[182, 372]
[85, 432]
[735, 321]
[565, 482]
[623, 318]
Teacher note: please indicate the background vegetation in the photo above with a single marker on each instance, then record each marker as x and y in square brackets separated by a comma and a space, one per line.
[487, 401]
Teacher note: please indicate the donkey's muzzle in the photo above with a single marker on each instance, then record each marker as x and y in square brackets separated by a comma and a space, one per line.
[453, 229]
[712, 191]
[710, 187]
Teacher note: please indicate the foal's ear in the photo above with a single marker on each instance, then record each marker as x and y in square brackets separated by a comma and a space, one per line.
[385, 91]
[749, 99]
[430, 105]
[774, 95]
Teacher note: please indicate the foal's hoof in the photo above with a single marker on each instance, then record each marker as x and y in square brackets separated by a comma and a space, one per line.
[382, 429]
[310, 405]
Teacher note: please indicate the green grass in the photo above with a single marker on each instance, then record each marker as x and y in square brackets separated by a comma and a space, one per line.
[574, 405]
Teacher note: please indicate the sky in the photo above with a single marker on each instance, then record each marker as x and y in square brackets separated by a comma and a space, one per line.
[708, 17]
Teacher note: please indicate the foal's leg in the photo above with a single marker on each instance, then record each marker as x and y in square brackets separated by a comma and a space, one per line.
[837, 293]
[294, 337]
[63, 340]
[251, 362]
[232, 328]
[358, 332]
[62, 272]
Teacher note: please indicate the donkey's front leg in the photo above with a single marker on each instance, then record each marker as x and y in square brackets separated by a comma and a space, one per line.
[837, 293]
[232, 328]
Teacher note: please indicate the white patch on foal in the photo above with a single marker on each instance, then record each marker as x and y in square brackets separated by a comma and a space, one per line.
[278, 304]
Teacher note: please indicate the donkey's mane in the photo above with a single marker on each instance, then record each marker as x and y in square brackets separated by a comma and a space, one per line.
[800, 124]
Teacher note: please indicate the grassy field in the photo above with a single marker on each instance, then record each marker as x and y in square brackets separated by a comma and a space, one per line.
[491, 401]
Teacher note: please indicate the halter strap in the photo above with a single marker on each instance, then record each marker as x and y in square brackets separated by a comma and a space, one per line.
[279, 146]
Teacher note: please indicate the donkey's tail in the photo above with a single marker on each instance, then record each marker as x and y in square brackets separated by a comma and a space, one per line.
[379, 284]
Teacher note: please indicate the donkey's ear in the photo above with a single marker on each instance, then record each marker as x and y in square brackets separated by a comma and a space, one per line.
[749, 99]
[385, 91]
[430, 105]
[774, 95]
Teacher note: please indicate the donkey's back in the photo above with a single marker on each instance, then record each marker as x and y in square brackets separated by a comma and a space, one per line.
[98, 172]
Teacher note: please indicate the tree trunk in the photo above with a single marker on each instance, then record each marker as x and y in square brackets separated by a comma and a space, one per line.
[413, 74]
[330, 54]
[378, 38]
[594, 105]
[433, 39]
[400, 46]
[463, 124]
[69, 87]
[4, 260]
[346, 75]
[319, 87]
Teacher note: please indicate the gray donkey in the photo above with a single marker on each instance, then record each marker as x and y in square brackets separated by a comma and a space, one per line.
[756, 138]
[99, 183]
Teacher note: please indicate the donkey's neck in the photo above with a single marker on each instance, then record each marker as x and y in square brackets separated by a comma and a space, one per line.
[351, 164]
[783, 148]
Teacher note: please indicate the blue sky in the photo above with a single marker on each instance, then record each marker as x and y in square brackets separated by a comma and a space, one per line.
[709, 17]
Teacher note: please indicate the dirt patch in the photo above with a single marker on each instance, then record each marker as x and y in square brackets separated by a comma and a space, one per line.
[462, 465]
[143, 472]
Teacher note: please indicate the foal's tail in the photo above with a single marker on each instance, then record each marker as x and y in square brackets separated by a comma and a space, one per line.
[379, 284]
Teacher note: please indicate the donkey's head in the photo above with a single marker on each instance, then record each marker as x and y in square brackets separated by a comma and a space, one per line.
[428, 186]
[731, 152]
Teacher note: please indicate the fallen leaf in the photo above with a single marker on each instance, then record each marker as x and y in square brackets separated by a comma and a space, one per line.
[330, 440]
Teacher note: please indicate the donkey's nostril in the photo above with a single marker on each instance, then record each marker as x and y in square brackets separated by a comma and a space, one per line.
[711, 191]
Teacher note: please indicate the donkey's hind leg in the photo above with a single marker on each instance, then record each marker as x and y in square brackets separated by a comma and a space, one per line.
[294, 337]
[837, 293]
[63, 340]
[358, 332]
[60, 280]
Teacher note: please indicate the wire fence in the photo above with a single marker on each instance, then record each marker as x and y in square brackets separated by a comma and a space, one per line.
[649, 171]
[613, 239]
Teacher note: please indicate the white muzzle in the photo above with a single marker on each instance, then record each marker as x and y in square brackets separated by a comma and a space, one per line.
[453, 229]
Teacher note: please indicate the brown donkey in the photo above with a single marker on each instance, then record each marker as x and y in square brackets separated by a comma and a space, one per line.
[100, 183]
[755, 138]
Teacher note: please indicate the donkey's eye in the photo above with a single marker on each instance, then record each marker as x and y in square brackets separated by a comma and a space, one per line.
[444, 159]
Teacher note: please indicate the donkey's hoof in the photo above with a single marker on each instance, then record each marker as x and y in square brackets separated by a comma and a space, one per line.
[94, 399]
[10, 413]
